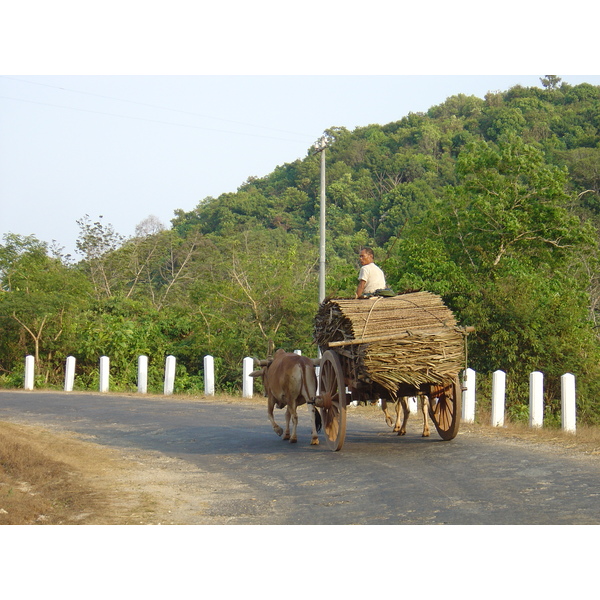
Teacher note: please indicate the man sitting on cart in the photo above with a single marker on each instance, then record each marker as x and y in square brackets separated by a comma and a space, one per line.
[370, 277]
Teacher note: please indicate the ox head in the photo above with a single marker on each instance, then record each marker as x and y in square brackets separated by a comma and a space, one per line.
[262, 372]
[263, 364]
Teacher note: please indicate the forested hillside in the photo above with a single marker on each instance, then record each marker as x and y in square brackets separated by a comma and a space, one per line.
[493, 203]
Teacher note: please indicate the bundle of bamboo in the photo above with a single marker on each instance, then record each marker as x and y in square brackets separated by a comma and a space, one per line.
[410, 338]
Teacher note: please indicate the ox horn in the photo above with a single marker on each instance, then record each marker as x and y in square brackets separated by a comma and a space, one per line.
[262, 363]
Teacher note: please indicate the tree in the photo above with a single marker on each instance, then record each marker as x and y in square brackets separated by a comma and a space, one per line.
[259, 288]
[95, 243]
[550, 81]
[511, 204]
[521, 281]
[42, 296]
[158, 266]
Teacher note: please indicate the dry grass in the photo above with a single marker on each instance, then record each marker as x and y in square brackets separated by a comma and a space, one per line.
[56, 479]
[586, 440]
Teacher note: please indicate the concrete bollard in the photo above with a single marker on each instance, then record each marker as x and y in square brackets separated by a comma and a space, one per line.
[209, 376]
[247, 381]
[104, 373]
[413, 405]
[69, 373]
[498, 398]
[29, 372]
[536, 399]
[169, 385]
[142, 374]
[468, 397]
[568, 403]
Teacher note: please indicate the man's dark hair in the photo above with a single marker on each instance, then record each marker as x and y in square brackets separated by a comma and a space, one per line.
[369, 251]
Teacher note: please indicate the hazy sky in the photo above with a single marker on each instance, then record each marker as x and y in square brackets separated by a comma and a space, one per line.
[140, 112]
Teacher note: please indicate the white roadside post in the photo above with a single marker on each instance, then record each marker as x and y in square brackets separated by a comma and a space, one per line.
[69, 373]
[468, 398]
[498, 398]
[169, 385]
[142, 374]
[247, 381]
[567, 403]
[29, 372]
[318, 376]
[536, 399]
[413, 405]
[209, 375]
[104, 373]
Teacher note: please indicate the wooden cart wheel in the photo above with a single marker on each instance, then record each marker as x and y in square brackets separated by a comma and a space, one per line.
[333, 395]
[445, 408]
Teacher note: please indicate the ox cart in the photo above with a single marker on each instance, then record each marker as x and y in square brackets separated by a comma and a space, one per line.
[389, 348]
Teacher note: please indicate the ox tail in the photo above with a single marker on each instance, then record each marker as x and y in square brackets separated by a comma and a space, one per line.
[318, 421]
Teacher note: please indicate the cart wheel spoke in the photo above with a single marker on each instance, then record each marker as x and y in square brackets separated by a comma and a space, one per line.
[445, 407]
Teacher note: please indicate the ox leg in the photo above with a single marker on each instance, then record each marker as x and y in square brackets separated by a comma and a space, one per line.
[288, 416]
[314, 438]
[388, 418]
[270, 407]
[425, 409]
[402, 403]
[293, 413]
[397, 423]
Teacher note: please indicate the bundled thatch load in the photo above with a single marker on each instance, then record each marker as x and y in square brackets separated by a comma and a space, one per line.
[410, 338]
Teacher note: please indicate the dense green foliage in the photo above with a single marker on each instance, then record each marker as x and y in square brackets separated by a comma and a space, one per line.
[493, 203]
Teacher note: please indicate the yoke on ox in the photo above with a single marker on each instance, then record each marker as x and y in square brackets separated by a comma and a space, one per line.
[289, 381]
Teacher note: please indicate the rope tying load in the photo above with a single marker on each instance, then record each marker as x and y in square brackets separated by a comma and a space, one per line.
[410, 338]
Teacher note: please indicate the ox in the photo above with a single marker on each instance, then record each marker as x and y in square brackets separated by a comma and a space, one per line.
[289, 380]
[402, 404]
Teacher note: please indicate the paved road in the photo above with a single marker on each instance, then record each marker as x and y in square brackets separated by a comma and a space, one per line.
[378, 477]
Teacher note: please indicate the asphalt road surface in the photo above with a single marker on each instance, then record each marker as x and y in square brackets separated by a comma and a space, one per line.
[377, 478]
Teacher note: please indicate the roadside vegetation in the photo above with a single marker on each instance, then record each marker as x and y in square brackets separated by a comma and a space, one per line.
[493, 203]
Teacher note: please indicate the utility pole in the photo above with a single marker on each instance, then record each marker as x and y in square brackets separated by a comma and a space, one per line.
[320, 146]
